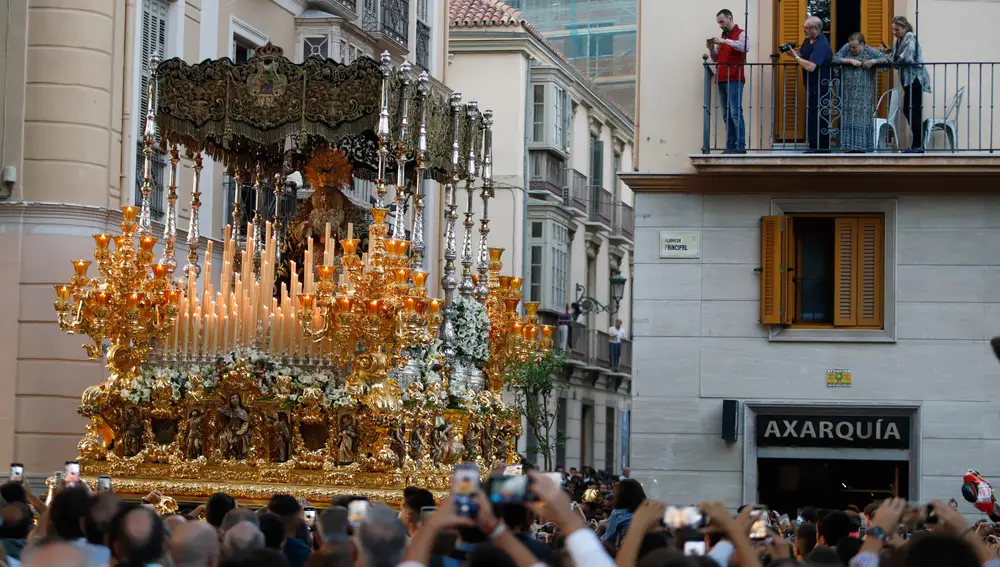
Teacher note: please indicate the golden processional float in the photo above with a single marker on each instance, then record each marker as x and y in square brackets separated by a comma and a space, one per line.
[320, 362]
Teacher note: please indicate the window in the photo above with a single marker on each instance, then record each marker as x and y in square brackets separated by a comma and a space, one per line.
[538, 111]
[154, 42]
[559, 118]
[242, 50]
[596, 162]
[536, 230]
[316, 47]
[823, 271]
[535, 289]
[560, 264]
[609, 439]
[343, 52]
[568, 111]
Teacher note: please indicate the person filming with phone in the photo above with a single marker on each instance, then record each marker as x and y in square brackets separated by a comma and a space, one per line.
[814, 58]
[730, 53]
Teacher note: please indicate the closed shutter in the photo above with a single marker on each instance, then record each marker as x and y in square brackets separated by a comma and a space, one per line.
[876, 24]
[772, 243]
[789, 117]
[791, 260]
[870, 269]
[844, 272]
[154, 42]
[858, 272]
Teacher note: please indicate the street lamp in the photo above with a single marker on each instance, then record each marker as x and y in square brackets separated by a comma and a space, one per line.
[590, 305]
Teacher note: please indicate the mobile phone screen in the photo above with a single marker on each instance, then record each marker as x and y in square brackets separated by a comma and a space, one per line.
[310, 515]
[758, 529]
[104, 484]
[426, 512]
[356, 512]
[509, 489]
[690, 517]
[464, 484]
[694, 547]
[72, 471]
[16, 472]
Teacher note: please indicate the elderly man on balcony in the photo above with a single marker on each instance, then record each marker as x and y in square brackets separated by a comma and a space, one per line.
[815, 58]
[730, 53]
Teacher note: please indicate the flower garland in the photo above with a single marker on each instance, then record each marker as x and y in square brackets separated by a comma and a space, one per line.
[472, 331]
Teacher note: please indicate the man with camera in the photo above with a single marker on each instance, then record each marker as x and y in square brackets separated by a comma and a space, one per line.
[815, 58]
[730, 54]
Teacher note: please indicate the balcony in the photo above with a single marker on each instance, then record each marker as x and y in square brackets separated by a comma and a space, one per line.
[548, 175]
[858, 120]
[599, 207]
[575, 196]
[579, 344]
[423, 46]
[345, 8]
[624, 223]
[388, 21]
[602, 349]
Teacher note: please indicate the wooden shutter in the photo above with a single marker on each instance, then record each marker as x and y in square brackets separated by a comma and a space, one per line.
[858, 271]
[790, 260]
[876, 24]
[790, 100]
[870, 267]
[772, 277]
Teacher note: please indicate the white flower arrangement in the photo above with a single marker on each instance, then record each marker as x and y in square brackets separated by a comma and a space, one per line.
[430, 357]
[472, 330]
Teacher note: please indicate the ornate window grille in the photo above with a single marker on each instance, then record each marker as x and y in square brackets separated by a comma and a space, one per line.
[423, 45]
[316, 47]
[388, 17]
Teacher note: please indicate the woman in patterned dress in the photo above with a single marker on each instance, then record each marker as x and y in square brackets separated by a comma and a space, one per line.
[857, 104]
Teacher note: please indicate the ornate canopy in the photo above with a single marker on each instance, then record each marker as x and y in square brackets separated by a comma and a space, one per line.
[245, 114]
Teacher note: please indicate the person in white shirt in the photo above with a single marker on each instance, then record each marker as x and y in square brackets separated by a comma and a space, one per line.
[616, 332]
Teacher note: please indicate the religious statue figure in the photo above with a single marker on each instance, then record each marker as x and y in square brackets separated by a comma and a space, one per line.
[471, 441]
[235, 441]
[195, 436]
[329, 174]
[348, 440]
[398, 444]
[486, 444]
[417, 441]
[133, 433]
[281, 438]
[439, 441]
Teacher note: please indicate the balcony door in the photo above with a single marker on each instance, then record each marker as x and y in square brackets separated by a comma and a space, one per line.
[841, 18]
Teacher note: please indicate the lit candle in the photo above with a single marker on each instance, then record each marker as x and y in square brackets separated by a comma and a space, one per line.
[102, 241]
[435, 306]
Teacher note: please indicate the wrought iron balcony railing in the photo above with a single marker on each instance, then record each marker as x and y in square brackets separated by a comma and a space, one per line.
[548, 174]
[389, 18]
[600, 206]
[576, 191]
[423, 47]
[625, 221]
[848, 108]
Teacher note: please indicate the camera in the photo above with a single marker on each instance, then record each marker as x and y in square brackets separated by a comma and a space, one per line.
[786, 47]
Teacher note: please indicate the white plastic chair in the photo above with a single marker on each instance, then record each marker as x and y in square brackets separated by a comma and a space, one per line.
[888, 124]
[947, 124]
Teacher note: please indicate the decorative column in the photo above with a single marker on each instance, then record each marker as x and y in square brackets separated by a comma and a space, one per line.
[278, 226]
[383, 130]
[194, 235]
[258, 218]
[148, 140]
[449, 281]
[472, 115]
[482, 290]
[417, 230]
[398, 230]
[170, 224]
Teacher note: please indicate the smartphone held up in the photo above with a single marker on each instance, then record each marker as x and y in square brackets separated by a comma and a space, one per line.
[464, 486]
[16, 472]
[71, 472]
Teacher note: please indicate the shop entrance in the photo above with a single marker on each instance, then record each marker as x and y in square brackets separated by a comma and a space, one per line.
[789, 484]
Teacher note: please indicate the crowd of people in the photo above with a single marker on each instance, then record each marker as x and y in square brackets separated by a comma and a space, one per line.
[590, 519]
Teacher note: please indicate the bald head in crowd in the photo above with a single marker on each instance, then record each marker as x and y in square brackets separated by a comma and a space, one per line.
[54, 554]
[195, 544]
[243, 538]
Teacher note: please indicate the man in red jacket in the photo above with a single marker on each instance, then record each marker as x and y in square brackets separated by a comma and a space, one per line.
[730, 53]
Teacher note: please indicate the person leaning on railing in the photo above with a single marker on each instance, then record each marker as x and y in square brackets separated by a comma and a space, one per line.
[907, 55]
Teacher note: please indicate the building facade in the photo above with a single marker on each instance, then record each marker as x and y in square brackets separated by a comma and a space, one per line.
[598, 36]
[73, 105]
[561, 212]
[812, 328]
